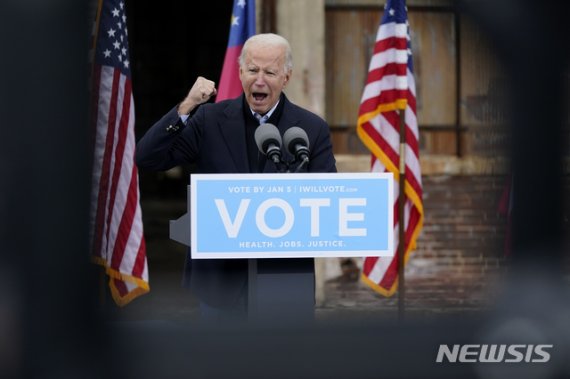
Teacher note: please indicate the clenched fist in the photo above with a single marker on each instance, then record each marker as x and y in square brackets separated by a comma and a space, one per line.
[202, 90]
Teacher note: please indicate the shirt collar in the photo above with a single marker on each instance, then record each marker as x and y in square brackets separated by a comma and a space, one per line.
[268, 114]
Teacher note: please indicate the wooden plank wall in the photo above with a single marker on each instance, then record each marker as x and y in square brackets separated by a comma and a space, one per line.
[459, 88]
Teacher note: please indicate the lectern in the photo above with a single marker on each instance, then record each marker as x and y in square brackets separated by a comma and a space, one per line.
[275, 220]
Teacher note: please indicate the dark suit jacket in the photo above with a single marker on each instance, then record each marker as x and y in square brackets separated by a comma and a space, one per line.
[214, 139]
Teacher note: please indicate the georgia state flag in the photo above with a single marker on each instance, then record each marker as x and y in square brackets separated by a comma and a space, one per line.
[242, 27]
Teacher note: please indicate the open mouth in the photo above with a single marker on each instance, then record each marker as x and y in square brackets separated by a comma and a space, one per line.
[258, 96]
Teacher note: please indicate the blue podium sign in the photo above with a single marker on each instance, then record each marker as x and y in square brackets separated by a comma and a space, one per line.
[291, 215]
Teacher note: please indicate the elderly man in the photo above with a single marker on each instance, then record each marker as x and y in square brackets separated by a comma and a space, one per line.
[219, 138]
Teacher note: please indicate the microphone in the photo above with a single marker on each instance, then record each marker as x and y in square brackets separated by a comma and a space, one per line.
[297, 143]
[268, 141]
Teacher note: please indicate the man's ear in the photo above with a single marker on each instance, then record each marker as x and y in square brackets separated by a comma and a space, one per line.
[287, 77]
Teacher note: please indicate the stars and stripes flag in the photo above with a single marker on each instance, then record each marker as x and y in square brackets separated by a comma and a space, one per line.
[242, 26]
[116, 223]
[390, 89]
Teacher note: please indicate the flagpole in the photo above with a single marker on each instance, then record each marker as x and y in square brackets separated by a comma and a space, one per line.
[401, 217]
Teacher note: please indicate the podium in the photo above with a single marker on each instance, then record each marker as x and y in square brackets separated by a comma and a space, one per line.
[279, 222]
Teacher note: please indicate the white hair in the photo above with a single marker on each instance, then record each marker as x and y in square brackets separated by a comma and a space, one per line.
[269, 40]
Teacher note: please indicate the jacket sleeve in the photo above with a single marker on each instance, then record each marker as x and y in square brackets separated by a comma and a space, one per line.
[169, 142]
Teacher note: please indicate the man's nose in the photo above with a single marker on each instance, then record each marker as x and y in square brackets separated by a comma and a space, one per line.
[260, 79]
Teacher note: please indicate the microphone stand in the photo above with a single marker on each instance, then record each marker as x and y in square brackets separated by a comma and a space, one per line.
[282, 167]
[303, 163]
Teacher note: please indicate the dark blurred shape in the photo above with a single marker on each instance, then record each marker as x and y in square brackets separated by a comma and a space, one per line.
[48, 284]
[529, 40]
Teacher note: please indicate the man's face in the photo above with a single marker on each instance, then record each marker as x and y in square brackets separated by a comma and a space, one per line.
[263, 76]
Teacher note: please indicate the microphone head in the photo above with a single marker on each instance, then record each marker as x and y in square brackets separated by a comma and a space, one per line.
[265, 135]
[295, 136]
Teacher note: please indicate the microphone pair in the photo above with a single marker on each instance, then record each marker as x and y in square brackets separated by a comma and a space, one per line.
[269, 142]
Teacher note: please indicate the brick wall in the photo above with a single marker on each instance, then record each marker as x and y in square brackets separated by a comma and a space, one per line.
[461, 248]
[460, 251]
[460, 259]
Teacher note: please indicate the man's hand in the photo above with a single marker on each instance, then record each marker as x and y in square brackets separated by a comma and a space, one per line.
[202, 90]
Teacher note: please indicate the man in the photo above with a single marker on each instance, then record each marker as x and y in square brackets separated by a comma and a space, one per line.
[219, 138]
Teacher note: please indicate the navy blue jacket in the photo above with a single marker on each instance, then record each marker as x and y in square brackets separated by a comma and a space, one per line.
[214, 140]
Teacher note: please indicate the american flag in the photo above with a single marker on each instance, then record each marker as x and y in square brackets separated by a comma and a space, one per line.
[390, 87]
[242, 26]
[116, 223]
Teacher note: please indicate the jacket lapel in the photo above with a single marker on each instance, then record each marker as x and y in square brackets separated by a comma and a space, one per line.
[288, 118]
[232, 129]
